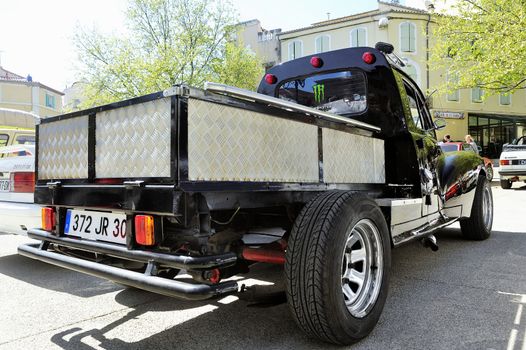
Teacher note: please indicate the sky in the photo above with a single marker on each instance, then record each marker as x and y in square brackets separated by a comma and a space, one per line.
[36, 37]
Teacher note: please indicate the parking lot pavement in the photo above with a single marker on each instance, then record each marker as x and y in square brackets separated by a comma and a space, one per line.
[468, 295]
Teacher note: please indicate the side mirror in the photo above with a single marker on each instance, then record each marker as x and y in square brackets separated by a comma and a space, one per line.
[439, 124]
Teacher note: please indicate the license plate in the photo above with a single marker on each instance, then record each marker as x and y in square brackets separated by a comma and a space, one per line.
[109, 227]
[4, 185]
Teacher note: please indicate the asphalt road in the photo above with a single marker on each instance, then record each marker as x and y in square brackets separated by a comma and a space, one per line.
[468, 295]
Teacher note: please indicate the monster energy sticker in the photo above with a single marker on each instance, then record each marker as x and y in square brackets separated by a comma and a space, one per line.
[319, 92]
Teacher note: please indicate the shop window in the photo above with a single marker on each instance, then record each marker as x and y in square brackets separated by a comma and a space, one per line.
[358, 37]
[323, 43]
[505, 99]
[407, 37]
[295, 49]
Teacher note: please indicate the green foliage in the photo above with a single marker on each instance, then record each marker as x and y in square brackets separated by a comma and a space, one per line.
[167, 42]
[483, 44]
[238, 67]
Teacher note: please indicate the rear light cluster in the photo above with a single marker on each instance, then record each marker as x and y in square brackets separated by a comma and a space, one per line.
[23, 182]
[504, 162]
[144, 230]
[48, 219]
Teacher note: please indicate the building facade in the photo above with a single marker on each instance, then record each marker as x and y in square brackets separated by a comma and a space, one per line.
[492, 121]
[264, 43]
[24, 94]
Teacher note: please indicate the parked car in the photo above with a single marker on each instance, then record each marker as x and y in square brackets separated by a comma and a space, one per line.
[463, 146]
[513, 163]
[17, 184]
[16, 136]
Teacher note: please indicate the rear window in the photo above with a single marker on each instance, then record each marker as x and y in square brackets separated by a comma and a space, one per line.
[25, 140]
[3, 139]
[449, 147]
[338, 92]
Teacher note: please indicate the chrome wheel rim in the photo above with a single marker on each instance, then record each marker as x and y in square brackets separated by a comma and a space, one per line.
[362, 268]
[487, 207]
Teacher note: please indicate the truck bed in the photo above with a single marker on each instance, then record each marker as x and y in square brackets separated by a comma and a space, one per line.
[147, 152]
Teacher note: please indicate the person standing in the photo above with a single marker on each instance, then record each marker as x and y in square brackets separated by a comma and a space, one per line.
[446, 139]
[470, 140]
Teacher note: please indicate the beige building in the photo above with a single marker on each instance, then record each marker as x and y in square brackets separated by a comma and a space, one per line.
[264, 43]
[24, 94]
[492, 122]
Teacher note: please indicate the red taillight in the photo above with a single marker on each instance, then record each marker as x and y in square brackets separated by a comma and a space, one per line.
[271, 79]
[23, 182]
[214, 276]
[369, 57]
[48, 219]
[504, 162]
[316, 62]
[144, 230]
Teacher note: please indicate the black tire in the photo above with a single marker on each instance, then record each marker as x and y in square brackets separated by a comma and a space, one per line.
[314, 262]
[505, 184]
[478, 226]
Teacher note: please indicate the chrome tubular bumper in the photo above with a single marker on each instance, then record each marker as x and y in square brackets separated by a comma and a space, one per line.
[147, 281]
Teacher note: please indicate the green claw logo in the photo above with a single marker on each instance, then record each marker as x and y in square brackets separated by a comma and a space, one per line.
[319, 92]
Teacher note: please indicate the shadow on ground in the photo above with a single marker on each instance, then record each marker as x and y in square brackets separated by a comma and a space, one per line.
[53, 278]
[447, 299]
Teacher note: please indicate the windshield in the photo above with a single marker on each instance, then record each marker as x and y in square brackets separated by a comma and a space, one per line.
[339, 92]
[452, 147]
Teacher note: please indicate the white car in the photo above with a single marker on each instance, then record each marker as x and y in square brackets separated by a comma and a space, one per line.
[17, 184]
[513, 163]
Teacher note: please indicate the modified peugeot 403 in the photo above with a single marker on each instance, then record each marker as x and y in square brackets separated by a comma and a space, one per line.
[330, 165]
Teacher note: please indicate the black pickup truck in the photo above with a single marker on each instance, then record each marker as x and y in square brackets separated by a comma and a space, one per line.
[330, 165]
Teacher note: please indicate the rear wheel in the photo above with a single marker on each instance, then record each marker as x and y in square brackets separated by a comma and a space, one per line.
[337, 267]
[505, 184]
[478, 225]
[489, 171]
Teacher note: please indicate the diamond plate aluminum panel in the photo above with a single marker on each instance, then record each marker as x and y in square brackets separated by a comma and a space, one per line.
[63, 149]
[232, 144]
[134, 141]
[350, 158]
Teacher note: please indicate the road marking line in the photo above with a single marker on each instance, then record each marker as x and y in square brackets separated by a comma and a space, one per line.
[518, 315]
[512, 340]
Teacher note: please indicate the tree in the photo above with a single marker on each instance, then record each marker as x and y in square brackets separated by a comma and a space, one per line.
[482, 43]
[168, 42]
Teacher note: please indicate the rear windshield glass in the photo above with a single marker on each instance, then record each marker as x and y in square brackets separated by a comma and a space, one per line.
[25, 140]
[338, 92]
[449, 147]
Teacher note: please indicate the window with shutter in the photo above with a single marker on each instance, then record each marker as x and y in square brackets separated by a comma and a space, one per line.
[358, 37]
[452, 79]
[322, 43]
[505, 99]
[476, 95]
[407, 37]
[295, 49]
